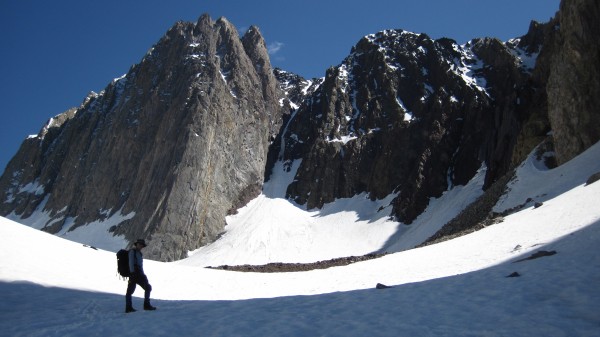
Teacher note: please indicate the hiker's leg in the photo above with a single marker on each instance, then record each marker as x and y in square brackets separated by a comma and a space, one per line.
[130, 289]
[147, 289]
[143, 282]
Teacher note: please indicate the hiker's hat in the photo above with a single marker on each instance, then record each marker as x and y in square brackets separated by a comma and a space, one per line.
[141, 242]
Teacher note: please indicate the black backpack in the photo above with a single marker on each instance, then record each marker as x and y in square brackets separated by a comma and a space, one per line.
[123, 263]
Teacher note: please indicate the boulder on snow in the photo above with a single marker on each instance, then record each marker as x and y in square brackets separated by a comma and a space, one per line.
[537, 255]
[382, 286]
[593, 178]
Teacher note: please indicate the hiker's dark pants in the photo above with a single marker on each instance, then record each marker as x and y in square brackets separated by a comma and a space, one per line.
[142, 280]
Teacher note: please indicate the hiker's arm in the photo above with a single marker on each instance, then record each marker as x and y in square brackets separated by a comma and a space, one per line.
[132, 261]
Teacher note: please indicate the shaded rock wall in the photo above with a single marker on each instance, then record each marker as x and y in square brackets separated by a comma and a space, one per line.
[410, 115]
[573, 86]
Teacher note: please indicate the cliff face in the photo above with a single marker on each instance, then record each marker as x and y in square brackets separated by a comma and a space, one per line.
[410, 115]
[171, 147]
[573, 86]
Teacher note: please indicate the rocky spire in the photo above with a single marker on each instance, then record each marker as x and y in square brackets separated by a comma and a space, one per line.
[170, 148]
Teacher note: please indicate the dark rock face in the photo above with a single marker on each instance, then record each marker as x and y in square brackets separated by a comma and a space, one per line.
[175, 144]
[573, 86]
[411, 115]
[534, 121]
[295, 89]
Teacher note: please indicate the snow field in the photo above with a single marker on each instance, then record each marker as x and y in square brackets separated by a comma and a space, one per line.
[53, 287]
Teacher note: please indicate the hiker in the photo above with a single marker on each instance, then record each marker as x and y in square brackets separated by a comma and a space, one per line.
[136, 267]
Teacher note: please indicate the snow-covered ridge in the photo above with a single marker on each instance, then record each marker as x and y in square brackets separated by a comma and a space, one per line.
[467, 66]
[527, 60]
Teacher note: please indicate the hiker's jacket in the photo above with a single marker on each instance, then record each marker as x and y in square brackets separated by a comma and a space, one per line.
[136, 261]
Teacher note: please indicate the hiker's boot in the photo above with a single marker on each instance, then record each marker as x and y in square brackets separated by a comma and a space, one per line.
[129, 309]
[148, 306]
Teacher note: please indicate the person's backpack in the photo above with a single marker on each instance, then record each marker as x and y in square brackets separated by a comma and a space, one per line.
[123, 263]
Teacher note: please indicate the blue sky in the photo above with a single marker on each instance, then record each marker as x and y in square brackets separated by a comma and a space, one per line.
[55, 52]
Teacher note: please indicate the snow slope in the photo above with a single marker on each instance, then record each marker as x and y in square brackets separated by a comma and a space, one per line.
[260, 232]
[53, 287]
